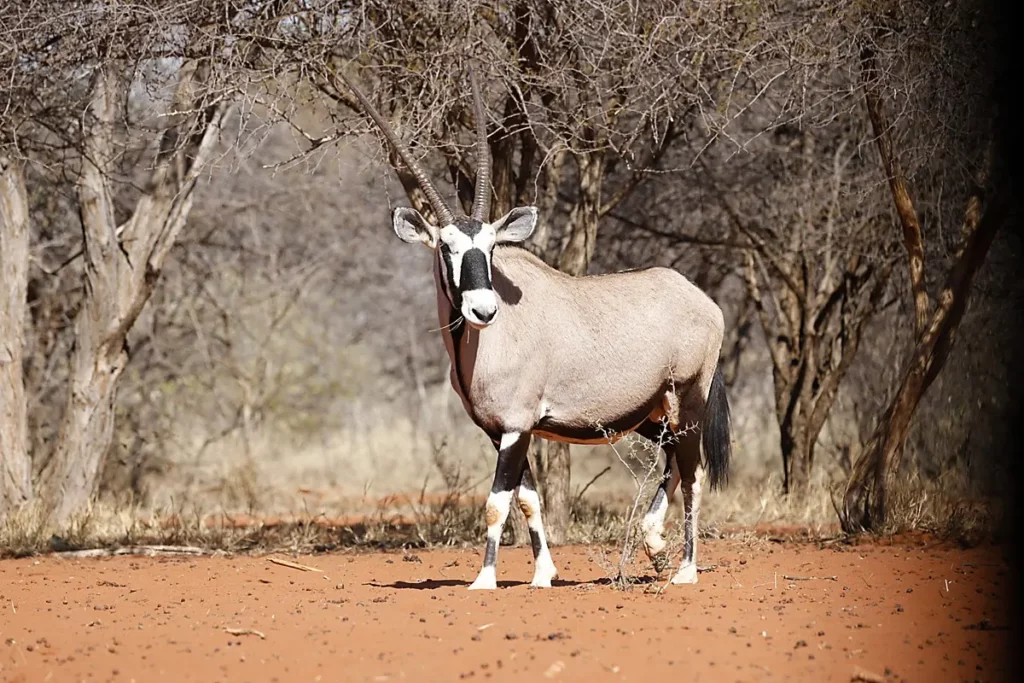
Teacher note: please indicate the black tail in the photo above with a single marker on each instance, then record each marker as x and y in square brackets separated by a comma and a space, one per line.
[717, 447]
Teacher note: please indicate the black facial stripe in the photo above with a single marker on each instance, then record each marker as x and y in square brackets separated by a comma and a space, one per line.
[474, 274]
[453, 293]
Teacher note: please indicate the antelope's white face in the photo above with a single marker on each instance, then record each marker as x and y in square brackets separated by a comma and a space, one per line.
[464, 249]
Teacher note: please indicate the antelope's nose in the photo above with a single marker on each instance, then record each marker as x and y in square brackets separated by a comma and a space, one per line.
[484, 314]
[480, 306]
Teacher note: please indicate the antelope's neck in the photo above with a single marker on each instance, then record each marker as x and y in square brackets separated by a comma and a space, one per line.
[454, 336]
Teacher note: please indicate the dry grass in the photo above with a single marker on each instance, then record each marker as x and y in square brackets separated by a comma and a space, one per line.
[249, 517]
[947, 506]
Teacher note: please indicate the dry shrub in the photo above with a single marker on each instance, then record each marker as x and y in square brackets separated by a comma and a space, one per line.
[945, 505]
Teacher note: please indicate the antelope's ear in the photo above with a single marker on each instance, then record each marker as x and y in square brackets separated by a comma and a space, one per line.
[516, 225]
[412, 227]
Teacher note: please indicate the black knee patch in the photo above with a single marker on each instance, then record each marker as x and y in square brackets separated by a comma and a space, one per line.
[491, 553]
[535, 542]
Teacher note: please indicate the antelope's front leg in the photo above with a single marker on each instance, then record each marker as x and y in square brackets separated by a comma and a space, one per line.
[511, 460]
[529, 502]
[653, 525]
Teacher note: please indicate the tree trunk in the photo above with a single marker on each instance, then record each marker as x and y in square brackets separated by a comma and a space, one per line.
[122, 267]
[912, 239]
[797, 454]
[554, 479]
[15, 464]
[864, 503]
[582, 228]
[554, 475]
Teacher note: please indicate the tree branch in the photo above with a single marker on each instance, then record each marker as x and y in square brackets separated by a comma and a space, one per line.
[640, 173]
[912, 240]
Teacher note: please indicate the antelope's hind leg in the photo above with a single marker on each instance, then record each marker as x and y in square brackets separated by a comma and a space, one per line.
[529, 503]
[691, 477]
[511, 460]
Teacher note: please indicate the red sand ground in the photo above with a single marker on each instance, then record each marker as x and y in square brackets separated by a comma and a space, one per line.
[909, 610]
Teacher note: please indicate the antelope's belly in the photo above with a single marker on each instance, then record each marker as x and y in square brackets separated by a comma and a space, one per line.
[582, 438]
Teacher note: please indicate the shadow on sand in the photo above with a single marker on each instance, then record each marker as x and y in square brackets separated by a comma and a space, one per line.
[434, 584]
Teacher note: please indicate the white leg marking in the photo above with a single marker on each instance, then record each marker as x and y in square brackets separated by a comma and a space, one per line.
[686, 574]
[544, 566]
[487, 579]
[508, 440]
[497, 512]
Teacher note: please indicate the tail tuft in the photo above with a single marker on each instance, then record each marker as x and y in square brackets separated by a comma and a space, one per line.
[715, 435]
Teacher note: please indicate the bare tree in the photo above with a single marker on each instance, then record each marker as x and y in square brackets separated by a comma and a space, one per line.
[792, 179]
[69, 78]
[864, 503]
[123, 264]
[583, 103]
[728, 140]
[15, 463]
[816, 276]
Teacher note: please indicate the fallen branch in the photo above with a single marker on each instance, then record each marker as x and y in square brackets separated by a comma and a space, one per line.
[809, 578]
[245, 632]
[293, 565]
[145, 550]
[866, 676]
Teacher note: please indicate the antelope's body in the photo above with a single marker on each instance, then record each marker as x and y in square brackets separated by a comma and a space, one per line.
[582, 359]
[536, 352]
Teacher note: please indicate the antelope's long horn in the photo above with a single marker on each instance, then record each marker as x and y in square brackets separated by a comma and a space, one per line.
[482, 196]
[444, 214]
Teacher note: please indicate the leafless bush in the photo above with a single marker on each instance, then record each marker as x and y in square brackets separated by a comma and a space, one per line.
[644, 455]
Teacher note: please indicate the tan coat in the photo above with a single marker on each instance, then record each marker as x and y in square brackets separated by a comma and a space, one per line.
[572, 358]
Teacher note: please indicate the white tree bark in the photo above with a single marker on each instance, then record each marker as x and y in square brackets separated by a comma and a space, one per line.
[15, 464]
[123, 264]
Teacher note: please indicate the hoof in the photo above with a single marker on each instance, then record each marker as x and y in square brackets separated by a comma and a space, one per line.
[686, 574]
[542, 577]
[660, 562]
[487, 580]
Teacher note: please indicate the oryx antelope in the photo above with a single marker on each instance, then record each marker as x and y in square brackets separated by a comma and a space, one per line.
[583, 360]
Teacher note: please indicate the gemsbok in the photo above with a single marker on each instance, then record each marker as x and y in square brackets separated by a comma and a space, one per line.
[581, 360]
